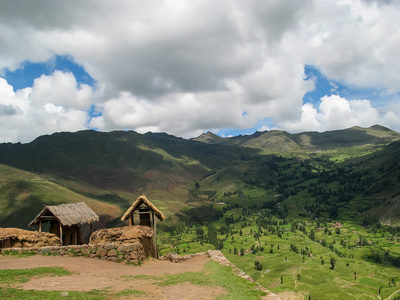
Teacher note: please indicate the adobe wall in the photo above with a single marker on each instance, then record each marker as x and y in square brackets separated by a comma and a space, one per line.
[133, 253]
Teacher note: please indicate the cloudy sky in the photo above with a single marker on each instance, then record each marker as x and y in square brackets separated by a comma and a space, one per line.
[186, 67]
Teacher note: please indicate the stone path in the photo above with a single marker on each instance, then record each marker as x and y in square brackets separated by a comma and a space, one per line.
[217, 256]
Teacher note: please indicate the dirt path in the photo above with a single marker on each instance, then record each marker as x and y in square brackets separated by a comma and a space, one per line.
[89, 274]
[394, 293]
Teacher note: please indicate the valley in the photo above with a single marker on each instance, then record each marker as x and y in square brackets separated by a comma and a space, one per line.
[312, 214]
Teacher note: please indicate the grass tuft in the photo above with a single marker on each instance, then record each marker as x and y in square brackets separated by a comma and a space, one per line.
[21, 276]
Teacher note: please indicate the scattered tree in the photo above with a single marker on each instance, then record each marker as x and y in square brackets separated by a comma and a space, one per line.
[258, 266]
[333, 263]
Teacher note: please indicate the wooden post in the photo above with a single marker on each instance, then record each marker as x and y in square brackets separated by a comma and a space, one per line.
[61, 233]
[155, 234]
[76, 235]
[91, 228]
[40, 225]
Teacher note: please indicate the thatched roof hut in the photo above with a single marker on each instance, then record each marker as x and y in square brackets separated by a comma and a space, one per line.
[68, 217]
[144, 208]
[142, 204]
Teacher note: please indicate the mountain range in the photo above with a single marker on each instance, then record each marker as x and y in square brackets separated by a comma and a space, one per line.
[351, 173]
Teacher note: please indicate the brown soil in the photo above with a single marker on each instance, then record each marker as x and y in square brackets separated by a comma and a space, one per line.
[290, 295]
[88, 274]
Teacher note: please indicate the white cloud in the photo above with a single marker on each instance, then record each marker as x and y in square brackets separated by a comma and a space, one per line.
[184, 114]
[352, 41]
[188, 66]
[22, 117]
[335, 112]
[61, 89]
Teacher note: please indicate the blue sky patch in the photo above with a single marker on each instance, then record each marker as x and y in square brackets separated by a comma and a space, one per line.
[328, 87]
[28, 72]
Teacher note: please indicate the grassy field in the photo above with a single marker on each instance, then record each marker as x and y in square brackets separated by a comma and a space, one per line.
[296, 255]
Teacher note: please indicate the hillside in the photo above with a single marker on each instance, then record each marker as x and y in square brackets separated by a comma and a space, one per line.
[24, 194]
[123, 161]
[117, 167]
[177, 174]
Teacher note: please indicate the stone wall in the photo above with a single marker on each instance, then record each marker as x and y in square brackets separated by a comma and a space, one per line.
[133, 253]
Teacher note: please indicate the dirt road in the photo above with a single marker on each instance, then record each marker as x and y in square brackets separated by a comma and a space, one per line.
[88, 274]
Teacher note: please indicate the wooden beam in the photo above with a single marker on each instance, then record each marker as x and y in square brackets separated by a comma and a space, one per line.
[48, 218]
[61, 233]
[40, 225]
[76, 235]
[155, 234]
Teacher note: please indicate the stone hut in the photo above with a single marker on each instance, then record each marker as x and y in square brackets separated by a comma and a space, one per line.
[147, 214]
[65, 220]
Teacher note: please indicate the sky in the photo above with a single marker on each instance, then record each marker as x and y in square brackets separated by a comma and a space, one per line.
[187, 67]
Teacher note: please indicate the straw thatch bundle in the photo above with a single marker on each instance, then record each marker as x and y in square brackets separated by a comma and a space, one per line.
[121, 235]
[69, 214]
[15, 237]
[139, 201]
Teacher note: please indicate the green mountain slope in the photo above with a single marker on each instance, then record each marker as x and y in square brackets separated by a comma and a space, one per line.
[117, 160]
[23, 195]
[118, 166]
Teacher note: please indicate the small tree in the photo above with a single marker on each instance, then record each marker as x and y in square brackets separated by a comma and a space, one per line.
[241, 252]
[258, 266]
[333, 263]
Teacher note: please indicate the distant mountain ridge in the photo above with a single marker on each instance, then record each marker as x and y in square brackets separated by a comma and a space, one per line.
[312, 141]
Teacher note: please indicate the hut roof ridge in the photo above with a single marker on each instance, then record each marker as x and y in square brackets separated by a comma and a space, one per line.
[143, 199]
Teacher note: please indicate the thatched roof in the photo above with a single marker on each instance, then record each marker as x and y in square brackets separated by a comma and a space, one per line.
[139, 201]
[68, 214]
